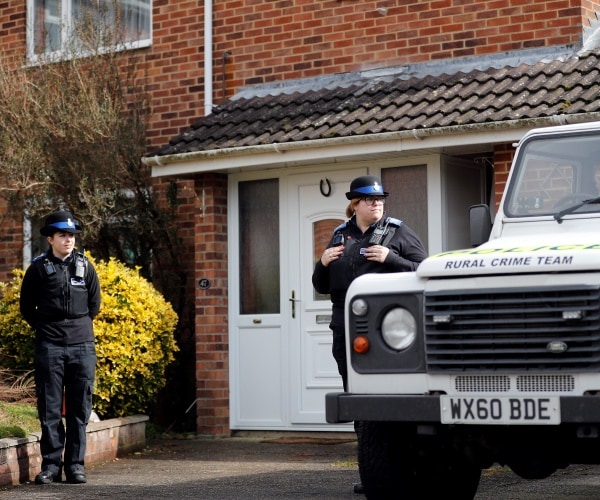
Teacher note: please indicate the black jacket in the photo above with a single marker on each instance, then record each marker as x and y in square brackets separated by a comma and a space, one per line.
[57, 301]
[406, 252]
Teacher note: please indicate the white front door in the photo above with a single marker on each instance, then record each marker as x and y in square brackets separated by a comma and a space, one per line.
[317, 205]
[281, 364]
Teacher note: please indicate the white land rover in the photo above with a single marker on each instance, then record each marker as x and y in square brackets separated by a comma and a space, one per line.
[489, 354]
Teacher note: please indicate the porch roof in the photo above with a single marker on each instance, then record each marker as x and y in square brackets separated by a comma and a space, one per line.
[557, 89]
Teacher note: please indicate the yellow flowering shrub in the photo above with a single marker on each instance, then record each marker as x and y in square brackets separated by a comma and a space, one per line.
[134, 338]
[16, 337]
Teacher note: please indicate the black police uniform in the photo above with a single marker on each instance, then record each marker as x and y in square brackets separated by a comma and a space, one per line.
[59, 300]
[406, 252]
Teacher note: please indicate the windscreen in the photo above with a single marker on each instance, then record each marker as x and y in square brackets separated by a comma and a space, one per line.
[554, 174]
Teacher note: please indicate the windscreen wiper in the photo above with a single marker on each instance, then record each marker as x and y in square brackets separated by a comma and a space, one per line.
[558, 216]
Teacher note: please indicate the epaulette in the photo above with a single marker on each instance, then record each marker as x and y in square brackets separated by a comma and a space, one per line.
[340, 227]
[44, 255]
[39, 257]
[393, 222]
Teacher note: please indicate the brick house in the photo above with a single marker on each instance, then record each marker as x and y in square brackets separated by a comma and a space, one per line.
[264, 111]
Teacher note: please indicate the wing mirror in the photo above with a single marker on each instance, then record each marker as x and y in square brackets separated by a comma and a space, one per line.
[480, 222]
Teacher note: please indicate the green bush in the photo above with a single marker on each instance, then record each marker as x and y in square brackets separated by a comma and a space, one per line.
[16, 337]
[134, 338]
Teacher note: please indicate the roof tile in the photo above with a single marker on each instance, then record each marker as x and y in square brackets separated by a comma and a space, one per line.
[379, 105]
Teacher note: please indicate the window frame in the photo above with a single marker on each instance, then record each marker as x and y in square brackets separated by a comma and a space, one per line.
[66, 21]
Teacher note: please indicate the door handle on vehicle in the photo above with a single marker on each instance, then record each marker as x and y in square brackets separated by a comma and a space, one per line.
[293, 300]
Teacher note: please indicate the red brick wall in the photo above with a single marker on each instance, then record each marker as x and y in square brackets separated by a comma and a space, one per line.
[287, 39]
[106, 440]
[503, 156]
[12, 22]
[588, 9]
[290, 39]
[212, 339]
[12, 39]
[11, 242]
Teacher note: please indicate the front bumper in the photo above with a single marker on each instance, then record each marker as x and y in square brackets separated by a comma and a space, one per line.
[345, 407]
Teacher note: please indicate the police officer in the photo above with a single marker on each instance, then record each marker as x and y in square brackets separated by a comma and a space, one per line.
[60, 295]
[370, 242]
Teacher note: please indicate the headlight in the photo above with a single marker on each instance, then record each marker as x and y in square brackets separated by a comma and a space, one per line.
[399, 328]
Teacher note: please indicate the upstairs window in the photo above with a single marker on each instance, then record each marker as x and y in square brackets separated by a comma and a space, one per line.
[63, 27]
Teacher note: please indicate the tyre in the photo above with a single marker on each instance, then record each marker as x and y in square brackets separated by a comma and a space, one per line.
[396, 463]
[452, 477]
[376, 456]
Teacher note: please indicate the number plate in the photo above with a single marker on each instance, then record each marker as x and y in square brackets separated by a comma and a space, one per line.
[500, 410]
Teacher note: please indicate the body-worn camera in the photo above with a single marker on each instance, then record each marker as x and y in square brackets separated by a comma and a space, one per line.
[380, 231]
[377, 235]
[49, 268]
[80, 267]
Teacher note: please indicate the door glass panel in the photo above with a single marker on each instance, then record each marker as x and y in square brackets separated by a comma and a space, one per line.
[259, 246]
[322, 232]
[408, 197]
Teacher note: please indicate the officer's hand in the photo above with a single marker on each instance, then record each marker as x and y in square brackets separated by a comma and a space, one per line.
[331, 254]
[377, 253]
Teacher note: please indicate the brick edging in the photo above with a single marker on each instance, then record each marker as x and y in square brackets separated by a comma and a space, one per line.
[20, 458]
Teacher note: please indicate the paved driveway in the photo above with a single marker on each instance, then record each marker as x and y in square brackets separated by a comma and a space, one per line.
[277, 468]
[230, 468]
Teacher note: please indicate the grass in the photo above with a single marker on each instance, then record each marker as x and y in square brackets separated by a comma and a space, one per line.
[18, 420]
[18, 413]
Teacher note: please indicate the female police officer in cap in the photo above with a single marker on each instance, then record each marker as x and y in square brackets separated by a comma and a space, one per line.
[370, 242]
[60, 295]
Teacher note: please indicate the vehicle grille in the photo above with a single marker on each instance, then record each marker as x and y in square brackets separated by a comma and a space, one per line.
[519, 383]
[513, 330]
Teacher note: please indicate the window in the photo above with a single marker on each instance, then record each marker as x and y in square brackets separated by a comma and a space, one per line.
[259, 247]
[322, 232]
[555, 174]
[33, 242]
[408, 197]
[55, 24]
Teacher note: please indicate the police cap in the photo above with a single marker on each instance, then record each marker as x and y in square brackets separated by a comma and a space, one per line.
[365, 185]
[62, 221]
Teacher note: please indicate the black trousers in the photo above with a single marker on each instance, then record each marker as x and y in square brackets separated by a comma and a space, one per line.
[68, 368]
[338, 348]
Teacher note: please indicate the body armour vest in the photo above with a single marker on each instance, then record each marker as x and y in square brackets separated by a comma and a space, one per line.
[65, 290]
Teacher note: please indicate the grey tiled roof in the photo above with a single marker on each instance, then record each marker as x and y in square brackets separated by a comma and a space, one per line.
[377, 105]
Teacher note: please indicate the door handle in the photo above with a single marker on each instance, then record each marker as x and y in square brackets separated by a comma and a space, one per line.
[293, 300]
